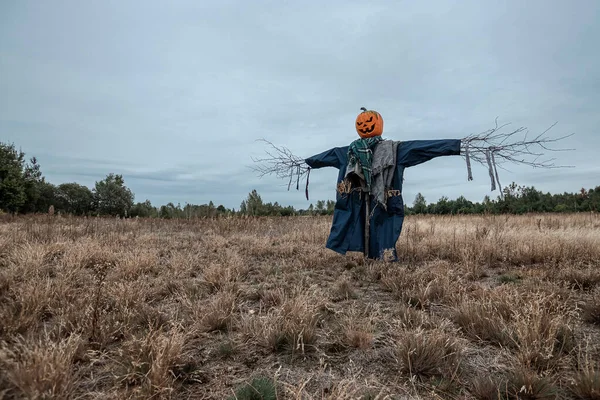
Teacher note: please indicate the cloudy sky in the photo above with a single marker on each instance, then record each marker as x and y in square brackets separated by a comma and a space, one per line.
[173, 95]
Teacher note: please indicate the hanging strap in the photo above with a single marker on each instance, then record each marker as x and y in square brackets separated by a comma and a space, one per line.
[307, 176]
[469, 171]
[490, 168]
[496, 173]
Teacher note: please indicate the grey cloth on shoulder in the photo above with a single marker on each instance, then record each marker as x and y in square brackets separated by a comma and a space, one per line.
[384, 166]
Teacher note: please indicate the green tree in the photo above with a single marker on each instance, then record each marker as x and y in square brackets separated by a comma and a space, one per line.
[243, 208]
[462, 206]
[254, 203]
[330, 207]
[73, 198]
[32, 185]
[143, 210]
[170, 211]
[212, 210]
[47, 196]
[443, 206]
[12, 181]
[320, 207]
[112, 197]
[288, 211]
[419, 205]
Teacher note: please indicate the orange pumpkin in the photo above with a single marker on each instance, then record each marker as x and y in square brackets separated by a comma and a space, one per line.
[369, 123]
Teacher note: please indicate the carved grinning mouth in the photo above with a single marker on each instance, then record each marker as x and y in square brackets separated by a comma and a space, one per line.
[368, 130]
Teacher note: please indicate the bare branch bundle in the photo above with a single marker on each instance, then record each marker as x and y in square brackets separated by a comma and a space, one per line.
[493, 148]
[281, 162]
[527, 151]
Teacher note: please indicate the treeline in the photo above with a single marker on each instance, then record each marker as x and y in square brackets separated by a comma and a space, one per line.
[253, 205]
[515, 200]
[24, 189]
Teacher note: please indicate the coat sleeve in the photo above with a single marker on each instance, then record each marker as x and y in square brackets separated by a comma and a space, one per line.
[415, 152]
[328, 158]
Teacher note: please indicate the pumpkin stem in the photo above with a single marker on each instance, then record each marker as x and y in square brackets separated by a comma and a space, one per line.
[364, 109]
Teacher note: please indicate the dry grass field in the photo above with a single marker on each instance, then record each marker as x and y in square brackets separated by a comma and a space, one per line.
[479, 307]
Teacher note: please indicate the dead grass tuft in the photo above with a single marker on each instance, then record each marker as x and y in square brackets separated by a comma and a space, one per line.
[410, 318]
[486, 321]
[359, 328]
[586, 384]
[291, 326]
[586, 278]
[271, 297]
[221, 277]
[520, 383]
[419, 288]
[300, 316]
[147, 365]
[219, 313]
[428, 353]
[485, 387]
[41, 368]
[4, 284]
[26, 309]
[99, 262]
[543, 332]
[524, 384]
[344, 290]
[586, 379]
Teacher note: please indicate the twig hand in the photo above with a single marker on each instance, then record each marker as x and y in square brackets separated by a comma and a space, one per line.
[527, 151]
[282, 163]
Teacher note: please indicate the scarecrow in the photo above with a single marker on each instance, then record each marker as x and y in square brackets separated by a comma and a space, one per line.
[369, 207]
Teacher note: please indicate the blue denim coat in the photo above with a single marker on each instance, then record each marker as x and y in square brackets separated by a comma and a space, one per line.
[348, 226]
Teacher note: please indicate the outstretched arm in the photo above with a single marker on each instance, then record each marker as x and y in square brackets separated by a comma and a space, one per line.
[330, 158]
[415, 152]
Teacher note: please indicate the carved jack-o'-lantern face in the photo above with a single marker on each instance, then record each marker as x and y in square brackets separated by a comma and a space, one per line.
[369, 123]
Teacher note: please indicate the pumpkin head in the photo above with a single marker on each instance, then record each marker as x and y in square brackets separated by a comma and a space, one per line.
[369, 123]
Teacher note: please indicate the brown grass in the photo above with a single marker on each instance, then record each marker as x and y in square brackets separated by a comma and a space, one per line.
[40, 368]
[428, 353]
[591, 309]
[478, 307]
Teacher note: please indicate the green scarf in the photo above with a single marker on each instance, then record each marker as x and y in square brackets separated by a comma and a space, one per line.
[361, 151]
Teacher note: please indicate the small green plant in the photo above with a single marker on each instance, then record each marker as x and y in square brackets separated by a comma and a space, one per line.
[510, 278]
[259, 389]
[227, 349]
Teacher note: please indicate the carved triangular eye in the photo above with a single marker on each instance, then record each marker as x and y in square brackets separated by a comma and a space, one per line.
[370, 119]
[359, 123]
